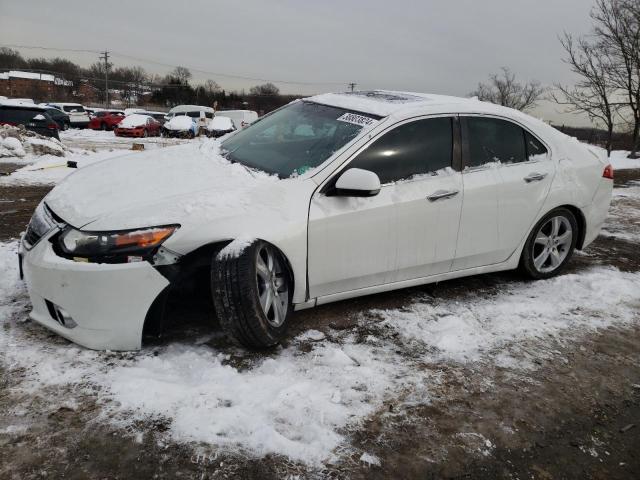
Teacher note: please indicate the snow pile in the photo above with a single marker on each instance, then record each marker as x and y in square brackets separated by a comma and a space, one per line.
[17, 142]
[180, 123]
[133, 121]
[619, 160]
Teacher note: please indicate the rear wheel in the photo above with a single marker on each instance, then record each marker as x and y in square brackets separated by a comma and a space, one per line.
[550, 245]
[252, 294]
[103, 126]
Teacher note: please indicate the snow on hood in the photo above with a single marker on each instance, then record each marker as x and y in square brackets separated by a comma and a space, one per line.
[220, 124]
[182, 122]
[161, 187]
[133, 121]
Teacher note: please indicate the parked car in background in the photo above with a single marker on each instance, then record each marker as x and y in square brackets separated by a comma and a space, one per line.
[78, 116]
[201, 114]
[58, 116]
[137, 125]
[159, 116]
[31, 116]
[366, 192]
[106, 119]
[92, 110]
[219, 126]
[240, 118]
[183, 126]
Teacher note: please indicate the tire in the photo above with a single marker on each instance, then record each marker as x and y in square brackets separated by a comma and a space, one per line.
[550, 244]
[103, 126]
[242, 284]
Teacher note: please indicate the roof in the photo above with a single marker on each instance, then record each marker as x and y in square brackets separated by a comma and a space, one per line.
[20, 103]
[45, 77]
[384, 103]
[189, 108]
[67, 104]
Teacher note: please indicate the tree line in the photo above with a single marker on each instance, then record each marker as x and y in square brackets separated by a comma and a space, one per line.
[134, 83]
[606, 63]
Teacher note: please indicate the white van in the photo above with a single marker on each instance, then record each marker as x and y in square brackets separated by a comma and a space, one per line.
[78, 116]
[240, 118]
[203, 115]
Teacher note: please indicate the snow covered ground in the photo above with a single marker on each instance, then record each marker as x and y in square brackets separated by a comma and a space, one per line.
[619, 160]
[305, 401]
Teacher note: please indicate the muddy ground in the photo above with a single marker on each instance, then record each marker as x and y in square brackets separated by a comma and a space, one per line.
[576, 416]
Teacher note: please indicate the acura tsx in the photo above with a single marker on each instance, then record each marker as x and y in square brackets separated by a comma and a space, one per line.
[330, 197]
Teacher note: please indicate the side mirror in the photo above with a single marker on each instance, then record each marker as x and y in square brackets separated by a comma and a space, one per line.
[357, 182]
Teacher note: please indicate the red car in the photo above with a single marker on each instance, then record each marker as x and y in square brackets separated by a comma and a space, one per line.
[106, 119]
[137, 125]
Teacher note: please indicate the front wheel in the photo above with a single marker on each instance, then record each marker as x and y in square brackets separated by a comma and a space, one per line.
[252, 293]
[550, 244]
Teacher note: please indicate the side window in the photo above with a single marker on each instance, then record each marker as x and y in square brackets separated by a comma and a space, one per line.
[535, 149]
[208, 114]
[415, 148]
[494, 140]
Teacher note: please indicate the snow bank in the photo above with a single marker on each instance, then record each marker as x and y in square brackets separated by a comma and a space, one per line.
[619, 160]
[134, 120]
[17, 143]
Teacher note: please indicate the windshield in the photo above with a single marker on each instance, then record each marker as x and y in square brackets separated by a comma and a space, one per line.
[295, 139]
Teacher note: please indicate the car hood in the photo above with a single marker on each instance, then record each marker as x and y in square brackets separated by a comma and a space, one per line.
[165, 186]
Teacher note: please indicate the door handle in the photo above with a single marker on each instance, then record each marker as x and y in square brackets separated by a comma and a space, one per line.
[442, 195]
[534, 177]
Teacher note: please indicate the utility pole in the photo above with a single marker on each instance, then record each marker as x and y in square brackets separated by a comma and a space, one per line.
[105, 57]
[352, 85]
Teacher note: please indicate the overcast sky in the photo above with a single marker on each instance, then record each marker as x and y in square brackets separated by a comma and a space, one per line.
[436, 46]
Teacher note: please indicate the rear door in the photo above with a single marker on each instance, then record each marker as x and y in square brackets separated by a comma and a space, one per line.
[506, 178]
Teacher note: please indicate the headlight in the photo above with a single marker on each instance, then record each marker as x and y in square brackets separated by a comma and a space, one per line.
[141, 242]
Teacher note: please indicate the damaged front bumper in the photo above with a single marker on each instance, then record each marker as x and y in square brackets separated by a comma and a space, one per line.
[96, 305]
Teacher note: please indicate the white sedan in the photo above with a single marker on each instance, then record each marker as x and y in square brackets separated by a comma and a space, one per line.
[331, 197]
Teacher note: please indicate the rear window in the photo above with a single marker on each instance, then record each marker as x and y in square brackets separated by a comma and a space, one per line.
[77, 108]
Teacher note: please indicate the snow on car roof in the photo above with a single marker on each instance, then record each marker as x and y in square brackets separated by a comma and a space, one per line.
[385, 103]
[20, 103]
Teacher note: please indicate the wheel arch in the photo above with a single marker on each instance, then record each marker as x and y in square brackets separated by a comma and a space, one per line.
[582, 223]
[194, 266]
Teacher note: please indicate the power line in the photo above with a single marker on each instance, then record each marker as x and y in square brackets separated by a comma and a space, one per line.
[167, 65]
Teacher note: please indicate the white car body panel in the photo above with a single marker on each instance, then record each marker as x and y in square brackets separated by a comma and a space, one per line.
[338, 247]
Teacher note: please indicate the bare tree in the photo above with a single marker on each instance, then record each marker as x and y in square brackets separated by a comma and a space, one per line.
[503, 89]
[617, 27]
[182, 74]
[594, 91]
[265, 89]
[212, 87]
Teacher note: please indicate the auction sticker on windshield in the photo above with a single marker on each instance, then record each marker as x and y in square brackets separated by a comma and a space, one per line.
[356, 119]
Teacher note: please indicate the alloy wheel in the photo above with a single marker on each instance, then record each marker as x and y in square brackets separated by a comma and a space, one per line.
[273, 285]
[552, 244]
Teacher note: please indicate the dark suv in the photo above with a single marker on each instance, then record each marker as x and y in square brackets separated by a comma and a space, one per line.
[33, 118]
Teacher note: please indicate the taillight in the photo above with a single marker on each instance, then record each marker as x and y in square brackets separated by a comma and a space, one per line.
[52, 126]
[608, 172]
[13, 124]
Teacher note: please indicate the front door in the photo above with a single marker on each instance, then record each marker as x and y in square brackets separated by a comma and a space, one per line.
[409, 230]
